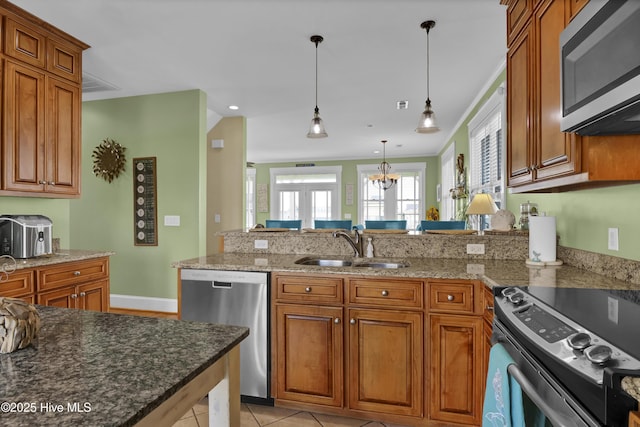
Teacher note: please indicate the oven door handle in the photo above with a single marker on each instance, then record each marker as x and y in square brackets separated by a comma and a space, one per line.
[528, 388]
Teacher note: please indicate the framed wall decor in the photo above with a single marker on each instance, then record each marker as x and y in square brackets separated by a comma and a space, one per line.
[145, 215]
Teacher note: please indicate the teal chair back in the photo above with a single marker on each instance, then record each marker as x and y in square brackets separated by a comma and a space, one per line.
[391, 224]
[284, 223]
[441, 225]
[332, 223]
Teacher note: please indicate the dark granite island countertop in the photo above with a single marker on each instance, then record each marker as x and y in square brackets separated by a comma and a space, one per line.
[101, 369]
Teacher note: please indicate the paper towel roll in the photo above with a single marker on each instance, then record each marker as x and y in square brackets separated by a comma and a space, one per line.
[542, 238]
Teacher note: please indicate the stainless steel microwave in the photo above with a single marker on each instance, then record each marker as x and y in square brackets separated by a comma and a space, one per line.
[600, 69]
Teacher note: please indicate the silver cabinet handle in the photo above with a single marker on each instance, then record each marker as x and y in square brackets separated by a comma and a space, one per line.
[489, 308]
[83, 294]
[307, 289]
[450, 298]
[336, 320]
[52, 183]
[43, 182]
[352, 321]
[74, 296]
[385, 293]
[76, 273]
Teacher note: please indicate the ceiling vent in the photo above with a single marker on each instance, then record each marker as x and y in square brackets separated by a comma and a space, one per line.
[91, 83]
[402, 105]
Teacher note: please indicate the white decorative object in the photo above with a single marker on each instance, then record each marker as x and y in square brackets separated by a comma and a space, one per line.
[503, 220]
[19, 324]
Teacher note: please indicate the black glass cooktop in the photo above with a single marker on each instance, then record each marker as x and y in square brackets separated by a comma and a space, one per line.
[612, 314]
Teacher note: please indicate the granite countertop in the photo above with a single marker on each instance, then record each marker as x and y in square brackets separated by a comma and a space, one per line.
[60, 256]
[491, 272]
[116, 368]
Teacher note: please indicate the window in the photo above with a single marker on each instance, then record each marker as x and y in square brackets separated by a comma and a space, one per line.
[250, 189]
[307, 193]
[447, 182]
[486, 164]
[405, 200]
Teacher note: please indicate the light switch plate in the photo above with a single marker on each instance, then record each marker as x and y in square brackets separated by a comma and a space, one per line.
[261, 244]
[172, 220]
[475, 248]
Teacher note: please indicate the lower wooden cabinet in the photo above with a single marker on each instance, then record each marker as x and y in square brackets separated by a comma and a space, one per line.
[456, 368]
[404, 350]
[77, 284]
[309, 354]
[385, 361]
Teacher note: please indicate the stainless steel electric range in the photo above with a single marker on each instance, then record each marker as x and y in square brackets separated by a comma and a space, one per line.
[572, 347]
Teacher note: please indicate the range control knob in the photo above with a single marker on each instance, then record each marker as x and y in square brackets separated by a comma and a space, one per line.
[516, 298]
[598, 354]
[579, 341]
[508, 291]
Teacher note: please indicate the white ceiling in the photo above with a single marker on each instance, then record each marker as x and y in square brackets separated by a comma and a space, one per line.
[257, 54]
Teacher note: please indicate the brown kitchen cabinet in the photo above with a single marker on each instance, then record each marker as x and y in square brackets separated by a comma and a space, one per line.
[456, 343]
[374, 351]
[41, 108]
[487, 329]
[541, 158]
[78, 284]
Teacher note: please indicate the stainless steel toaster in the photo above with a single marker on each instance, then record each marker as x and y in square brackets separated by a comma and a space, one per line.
[25, 236]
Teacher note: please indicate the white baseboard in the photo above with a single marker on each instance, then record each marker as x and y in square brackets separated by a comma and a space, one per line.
[133, 302]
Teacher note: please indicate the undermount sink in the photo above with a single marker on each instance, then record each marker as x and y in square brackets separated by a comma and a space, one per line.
[337, 262]
[324, 262]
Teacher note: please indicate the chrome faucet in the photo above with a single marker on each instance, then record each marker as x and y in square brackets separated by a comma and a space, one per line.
[356, 243]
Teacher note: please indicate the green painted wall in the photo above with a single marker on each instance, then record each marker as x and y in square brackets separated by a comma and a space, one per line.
[350, 176]
[172, 128]
[56, 209]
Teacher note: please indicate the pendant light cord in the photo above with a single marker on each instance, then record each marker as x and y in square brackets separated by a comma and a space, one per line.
[316, 42]
[428, 97]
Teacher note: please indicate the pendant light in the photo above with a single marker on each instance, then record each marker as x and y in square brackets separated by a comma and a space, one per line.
[427, 122]
[316, 130]
[385, 179]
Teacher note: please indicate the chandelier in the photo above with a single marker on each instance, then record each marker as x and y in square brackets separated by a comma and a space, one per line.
[385, 179]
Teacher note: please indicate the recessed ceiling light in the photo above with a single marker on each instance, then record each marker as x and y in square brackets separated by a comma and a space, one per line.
[233, 107]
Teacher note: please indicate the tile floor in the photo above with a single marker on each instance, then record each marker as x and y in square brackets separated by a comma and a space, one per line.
[259, 416]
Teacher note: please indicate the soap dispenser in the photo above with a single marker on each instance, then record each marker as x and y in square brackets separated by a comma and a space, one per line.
[369, 248]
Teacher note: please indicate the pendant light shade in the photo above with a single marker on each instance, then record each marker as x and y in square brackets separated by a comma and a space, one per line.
[316, 130]
[427, 123]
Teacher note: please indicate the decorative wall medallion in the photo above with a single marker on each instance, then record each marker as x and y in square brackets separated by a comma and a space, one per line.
[145, 217]
[108, 160]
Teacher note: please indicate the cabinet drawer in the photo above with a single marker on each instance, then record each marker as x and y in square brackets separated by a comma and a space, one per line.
[19, 284]
[312, 289]
[64, 60]
[451, 296]
[72, 273]
[385, 292]
[25, 43]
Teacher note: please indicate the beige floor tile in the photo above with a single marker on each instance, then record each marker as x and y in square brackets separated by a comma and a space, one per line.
[301, 419]
[269, 414]
[246, 418]
[335, 421]
[186, 422]
[188, 414]
[203, 419]
[202, 406]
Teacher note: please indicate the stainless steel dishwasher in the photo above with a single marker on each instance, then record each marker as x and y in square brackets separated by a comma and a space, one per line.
[238, 298]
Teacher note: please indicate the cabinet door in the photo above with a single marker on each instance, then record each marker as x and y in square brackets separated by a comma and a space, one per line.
[62, 137]
[576, 6]
[25, 43]
[456, 368]
[386, 361]
[64, 298]
[518, 13]
[19, 284]
[23, 144]
[94, 296]
[519, 108]
[309, 354]
[556, 152]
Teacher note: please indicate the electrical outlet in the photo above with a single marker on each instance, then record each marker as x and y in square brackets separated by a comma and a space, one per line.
[475, 248]
[261, 244]
[613, 239]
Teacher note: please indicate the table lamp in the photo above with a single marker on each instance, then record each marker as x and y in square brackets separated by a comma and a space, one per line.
[481, 204]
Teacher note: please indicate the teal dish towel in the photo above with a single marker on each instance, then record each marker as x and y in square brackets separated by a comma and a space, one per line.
[503, 395]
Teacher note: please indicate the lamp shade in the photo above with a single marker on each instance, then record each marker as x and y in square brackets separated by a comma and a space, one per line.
[482, 204]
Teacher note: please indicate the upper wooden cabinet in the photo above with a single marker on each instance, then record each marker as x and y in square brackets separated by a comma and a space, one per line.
[41, 107]
[539, 156]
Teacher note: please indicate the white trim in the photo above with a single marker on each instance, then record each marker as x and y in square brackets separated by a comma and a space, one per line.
[133, 302]
[475, 101]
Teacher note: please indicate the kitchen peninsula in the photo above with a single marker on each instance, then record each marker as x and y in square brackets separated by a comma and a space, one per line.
[91, 368]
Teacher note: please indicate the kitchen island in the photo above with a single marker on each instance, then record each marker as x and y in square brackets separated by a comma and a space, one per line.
[90, 368]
